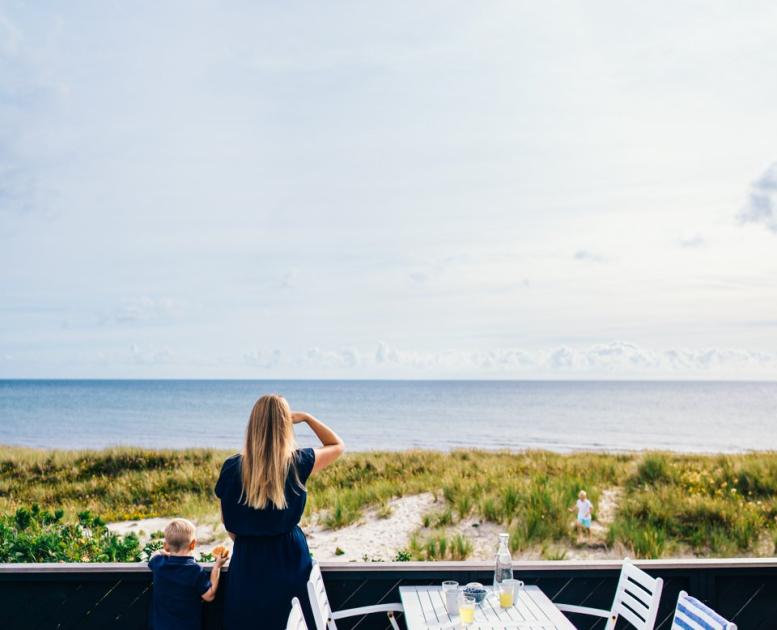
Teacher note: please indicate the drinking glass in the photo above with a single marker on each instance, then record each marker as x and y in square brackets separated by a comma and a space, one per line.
[466, 609]
[508, 592]
[450, 592]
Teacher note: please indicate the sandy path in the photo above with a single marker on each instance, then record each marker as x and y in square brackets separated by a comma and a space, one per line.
[608, 504]
[605, 514]
[377, 538]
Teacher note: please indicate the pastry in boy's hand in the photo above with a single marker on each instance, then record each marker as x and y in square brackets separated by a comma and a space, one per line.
[220, 551]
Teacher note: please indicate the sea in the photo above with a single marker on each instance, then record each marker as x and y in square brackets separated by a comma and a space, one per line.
[396, 415]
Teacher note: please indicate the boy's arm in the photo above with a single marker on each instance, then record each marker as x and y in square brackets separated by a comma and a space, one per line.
[215, 573]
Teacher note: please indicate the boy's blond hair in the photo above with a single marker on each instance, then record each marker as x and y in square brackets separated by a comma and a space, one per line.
[179, 534]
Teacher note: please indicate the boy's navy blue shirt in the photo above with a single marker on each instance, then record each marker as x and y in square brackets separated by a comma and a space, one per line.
[176, 603]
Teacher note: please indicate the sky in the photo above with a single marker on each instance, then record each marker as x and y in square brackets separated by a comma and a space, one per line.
[398, 190]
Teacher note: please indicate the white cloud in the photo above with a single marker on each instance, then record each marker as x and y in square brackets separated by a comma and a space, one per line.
[585, 255]
[711, 359]
[262, 359]
[501, 359]
[563, 358]
[620, 355]
[692, 242]
[346, 358]
[288, 280]
[761, 205]
[148, 355]
[616, 356]
[10, 37]
[386, 354]
[145, 309]
[614, 359]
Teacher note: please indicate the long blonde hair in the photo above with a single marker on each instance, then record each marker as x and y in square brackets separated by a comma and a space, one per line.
[268, 454]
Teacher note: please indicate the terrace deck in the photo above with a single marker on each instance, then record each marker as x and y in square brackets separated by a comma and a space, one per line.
[92, 596]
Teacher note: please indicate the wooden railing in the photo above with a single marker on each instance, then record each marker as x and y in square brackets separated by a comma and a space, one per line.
[92, 596]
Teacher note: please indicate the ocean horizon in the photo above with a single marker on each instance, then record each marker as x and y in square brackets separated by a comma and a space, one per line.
[563, 416]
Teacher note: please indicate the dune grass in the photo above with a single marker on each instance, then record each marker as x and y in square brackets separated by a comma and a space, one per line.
[723, 505]
[116, 484]
[670, 504]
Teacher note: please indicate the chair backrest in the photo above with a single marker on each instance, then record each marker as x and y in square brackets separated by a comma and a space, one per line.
[319, 602]
[296, 618]
[636, 598]
[691, 614]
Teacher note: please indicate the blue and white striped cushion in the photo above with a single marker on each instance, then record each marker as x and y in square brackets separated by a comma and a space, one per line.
[691, 614]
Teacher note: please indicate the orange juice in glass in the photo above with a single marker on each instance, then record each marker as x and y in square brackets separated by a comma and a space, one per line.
[466, 609]
[506, 597]
[508, 592]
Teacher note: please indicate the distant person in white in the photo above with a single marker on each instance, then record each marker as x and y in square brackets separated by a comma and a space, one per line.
[584, 508]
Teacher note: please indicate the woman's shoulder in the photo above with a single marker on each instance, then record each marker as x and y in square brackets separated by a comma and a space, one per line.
[231, 466]
[231, 462]
[304, 459]
[304, 454]
[230, 471]
[233, 459]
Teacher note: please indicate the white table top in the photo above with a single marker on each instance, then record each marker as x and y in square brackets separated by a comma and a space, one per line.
[425, 610]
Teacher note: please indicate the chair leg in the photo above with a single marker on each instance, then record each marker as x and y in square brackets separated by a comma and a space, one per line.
[393, 621]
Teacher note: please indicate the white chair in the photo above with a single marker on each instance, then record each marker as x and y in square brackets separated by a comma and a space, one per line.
[322, 612]
[691, 614]
[636, 600]
[296, 618]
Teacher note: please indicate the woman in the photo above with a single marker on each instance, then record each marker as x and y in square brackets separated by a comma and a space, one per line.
[263, 496]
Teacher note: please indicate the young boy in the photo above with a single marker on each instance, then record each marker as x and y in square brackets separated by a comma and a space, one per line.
[584, 508]
[180, 584]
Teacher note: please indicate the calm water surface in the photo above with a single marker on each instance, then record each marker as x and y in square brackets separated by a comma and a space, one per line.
[562, 416]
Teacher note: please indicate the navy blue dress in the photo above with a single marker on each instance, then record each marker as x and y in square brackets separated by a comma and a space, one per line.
[270, 558]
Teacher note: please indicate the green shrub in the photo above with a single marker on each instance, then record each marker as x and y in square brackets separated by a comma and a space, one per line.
[717, 505]
[652, 470]
[343, 513]
[35, 535]
[461, 548]
[464, 505]
[549, 552]
[443, 519]
[403, 555]
[439, 547]
[645, 540]
[489, 510]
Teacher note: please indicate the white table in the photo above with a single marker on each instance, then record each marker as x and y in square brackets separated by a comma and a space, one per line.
[425, 610]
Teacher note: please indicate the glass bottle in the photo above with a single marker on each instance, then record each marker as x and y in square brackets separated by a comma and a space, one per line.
[503, 568]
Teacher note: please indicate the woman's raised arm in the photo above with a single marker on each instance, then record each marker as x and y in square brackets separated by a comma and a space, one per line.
[331, 444]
